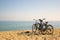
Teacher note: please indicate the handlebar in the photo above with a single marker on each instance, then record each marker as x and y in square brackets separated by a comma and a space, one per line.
[44, 18]
[41, 19]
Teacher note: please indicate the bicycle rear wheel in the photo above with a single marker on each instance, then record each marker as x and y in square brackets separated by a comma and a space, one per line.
[34, 28]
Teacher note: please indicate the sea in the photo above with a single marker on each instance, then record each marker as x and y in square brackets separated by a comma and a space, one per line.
[22, 25]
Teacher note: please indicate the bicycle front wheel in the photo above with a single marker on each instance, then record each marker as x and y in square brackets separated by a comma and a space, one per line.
[50, 29]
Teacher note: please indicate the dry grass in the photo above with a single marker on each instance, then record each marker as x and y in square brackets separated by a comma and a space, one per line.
[21, 35]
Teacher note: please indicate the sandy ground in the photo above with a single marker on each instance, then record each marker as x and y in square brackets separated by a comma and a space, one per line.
[20, 35]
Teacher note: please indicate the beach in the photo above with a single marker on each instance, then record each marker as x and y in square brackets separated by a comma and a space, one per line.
[22, 35]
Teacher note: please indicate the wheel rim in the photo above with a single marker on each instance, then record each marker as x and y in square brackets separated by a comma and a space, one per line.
[33, 28]
[50, 29]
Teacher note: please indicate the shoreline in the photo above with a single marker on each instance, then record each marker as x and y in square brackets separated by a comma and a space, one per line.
[20, 30]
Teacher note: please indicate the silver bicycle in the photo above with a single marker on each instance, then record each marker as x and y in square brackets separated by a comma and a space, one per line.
[42, 27]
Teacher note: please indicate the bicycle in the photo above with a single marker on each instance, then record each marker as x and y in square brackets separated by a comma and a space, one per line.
[42, 27]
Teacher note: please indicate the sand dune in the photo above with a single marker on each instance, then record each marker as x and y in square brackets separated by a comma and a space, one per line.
[21, 35]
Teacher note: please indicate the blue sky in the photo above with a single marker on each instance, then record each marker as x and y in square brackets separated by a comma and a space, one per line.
[27, 10]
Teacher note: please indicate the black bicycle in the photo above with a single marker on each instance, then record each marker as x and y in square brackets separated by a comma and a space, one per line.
[42, 27]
